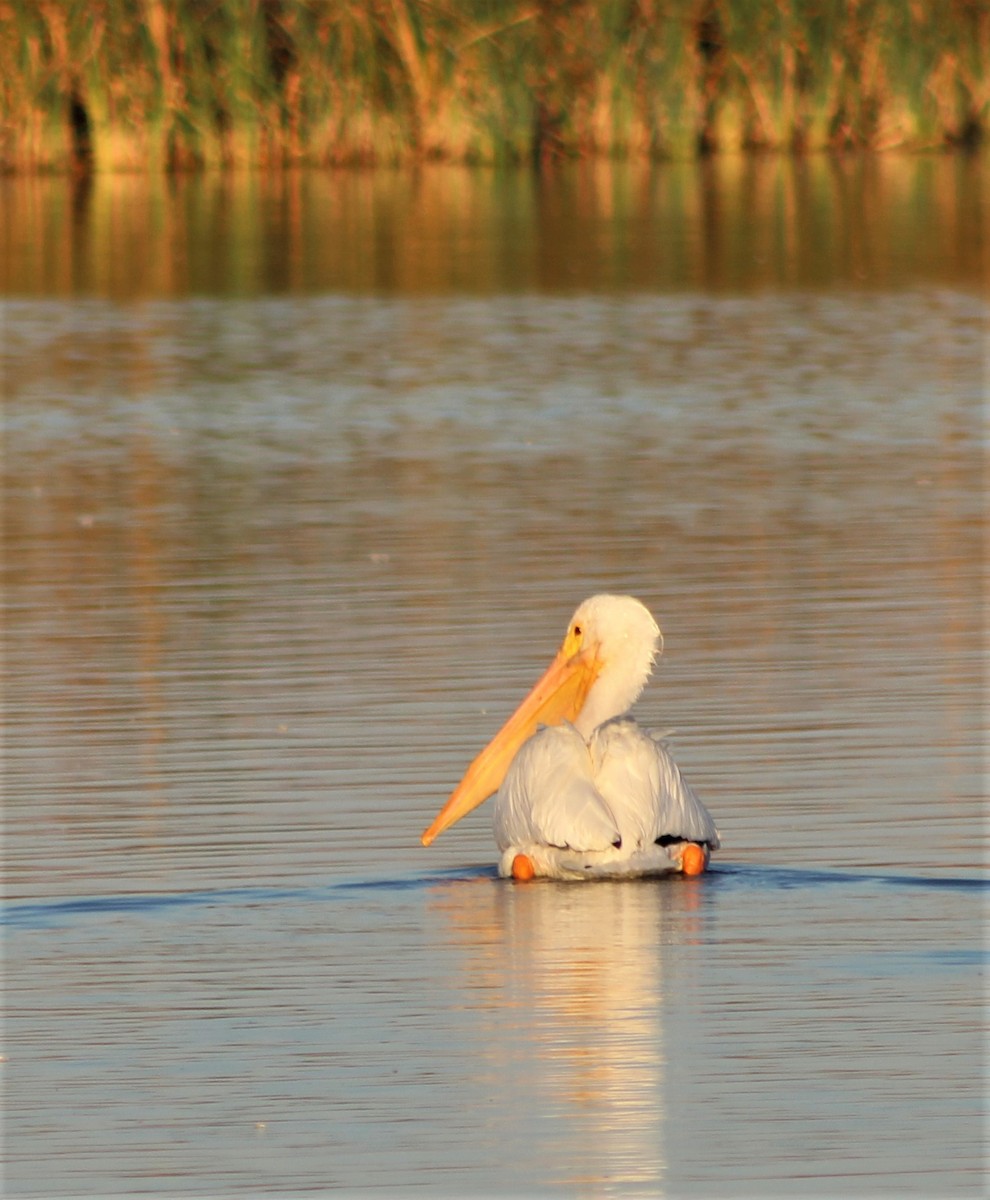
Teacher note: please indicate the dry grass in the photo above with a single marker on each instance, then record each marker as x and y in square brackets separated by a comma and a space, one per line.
[173, 84]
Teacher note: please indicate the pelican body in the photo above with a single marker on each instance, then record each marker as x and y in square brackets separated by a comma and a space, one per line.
[582, 791]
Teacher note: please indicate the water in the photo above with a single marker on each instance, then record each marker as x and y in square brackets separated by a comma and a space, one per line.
[281, 550]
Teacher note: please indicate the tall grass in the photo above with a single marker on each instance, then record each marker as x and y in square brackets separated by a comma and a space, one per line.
[170, 84]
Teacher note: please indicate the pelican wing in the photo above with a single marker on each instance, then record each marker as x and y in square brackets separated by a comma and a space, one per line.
[622, 791]
[549, 796]
[644, 788]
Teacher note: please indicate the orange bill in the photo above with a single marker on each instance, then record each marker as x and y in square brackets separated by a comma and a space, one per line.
[558, 696]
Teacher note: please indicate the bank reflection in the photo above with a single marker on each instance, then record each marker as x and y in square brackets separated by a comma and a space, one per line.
[569, 985]
[723, 223]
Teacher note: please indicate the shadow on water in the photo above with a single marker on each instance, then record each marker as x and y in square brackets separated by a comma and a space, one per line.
[60, 912]
[36, 915]
[779, 878]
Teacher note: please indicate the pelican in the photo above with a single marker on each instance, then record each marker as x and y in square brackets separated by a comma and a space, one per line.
[583, 791]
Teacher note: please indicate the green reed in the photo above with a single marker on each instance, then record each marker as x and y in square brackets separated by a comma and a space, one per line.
[133, 84]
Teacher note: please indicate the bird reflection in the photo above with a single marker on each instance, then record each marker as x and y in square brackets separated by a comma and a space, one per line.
[569, 984]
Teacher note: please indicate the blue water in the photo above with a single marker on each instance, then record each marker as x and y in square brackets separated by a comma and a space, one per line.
[761, 1029]
[277, 564]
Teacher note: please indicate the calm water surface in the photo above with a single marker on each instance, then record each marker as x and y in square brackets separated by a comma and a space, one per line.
[302, 483]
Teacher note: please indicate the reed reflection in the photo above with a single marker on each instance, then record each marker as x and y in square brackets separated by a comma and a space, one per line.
[725, 223]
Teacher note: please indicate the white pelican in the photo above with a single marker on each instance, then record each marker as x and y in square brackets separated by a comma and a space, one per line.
[590, 794]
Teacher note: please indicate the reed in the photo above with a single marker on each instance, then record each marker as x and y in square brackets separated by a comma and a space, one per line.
[172, 84]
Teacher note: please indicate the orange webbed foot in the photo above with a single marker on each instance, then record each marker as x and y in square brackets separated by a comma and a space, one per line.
[522, 868]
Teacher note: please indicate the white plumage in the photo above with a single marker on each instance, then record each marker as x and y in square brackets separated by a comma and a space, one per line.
[590, 794]
[591, 808]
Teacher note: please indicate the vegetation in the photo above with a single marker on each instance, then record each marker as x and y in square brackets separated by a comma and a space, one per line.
[172, 84]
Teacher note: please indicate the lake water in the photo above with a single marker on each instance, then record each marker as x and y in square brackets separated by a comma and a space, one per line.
[303, 478]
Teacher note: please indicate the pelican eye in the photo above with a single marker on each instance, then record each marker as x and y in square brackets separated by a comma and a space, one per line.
[577, 630]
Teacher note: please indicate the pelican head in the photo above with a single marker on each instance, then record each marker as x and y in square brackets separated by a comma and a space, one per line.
[598, 673]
